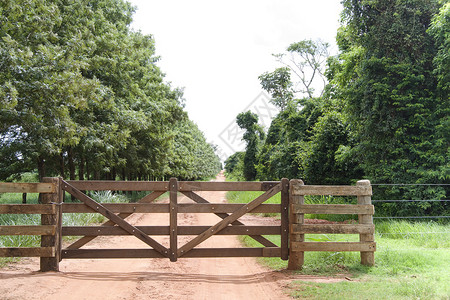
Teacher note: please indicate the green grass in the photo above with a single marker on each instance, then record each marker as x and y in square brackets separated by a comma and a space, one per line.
[412, 261]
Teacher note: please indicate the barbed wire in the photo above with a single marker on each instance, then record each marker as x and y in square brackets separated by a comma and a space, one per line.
[415, 217]
[425, 200]
[409, 184]
[410, 233]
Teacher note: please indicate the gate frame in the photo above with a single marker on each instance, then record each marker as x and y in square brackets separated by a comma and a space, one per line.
[188, 188]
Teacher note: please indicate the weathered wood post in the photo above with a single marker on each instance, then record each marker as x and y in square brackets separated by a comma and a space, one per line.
[173, 207]
[52, 263]
[367, 258]
[284, 219]
[296, 258]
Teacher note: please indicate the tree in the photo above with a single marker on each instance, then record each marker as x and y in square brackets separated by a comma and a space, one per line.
[279, 85]
[40, 82]
[387, 81]
[80, 91]
[306, 60]
[253, 135]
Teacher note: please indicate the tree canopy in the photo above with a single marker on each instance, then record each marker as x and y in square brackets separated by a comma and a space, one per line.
[81, 91]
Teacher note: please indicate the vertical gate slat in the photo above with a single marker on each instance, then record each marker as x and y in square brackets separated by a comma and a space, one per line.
[173, 208]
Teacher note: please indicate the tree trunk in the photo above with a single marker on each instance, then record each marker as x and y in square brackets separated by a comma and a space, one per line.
[71, 163]
[61, 164]
[81, 167]
[41, 167]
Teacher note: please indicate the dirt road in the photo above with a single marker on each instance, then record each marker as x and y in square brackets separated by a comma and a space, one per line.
[188, 278]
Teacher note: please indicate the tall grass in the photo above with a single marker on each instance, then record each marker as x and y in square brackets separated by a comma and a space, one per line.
[73, 219]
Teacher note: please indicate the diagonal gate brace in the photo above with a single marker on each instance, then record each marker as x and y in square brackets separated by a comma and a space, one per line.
[114, 218]
[259, 238]
[86, 239]
[228, 220]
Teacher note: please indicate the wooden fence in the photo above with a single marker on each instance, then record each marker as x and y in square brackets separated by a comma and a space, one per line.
[291, 210]
[365, 228]
[50, 228]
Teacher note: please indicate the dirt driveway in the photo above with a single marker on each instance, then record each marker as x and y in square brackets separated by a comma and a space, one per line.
[188, 278]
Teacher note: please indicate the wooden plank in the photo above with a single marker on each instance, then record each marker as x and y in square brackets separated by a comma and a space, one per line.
[284, 219]
[28, 230]
[332, 228]
[150, 253]
[225, 208]
[334, 190]
[367, 258]
[96, 185]
[28, 252]
[198, 199]
[296, 259]
[165, 230]
[124, 208]
[228, 220]
[114, 218]
[333, 246]
[35, 187]
[164, 208]
[341, 209]
[86, 239]
[27, 209]
[188, 186]
[173, 188]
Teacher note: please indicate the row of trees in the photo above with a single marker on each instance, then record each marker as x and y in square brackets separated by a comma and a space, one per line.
[384, 113]
[81, 96]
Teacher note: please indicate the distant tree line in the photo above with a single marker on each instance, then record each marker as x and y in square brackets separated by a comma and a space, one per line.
[81, 96]
[384, 114]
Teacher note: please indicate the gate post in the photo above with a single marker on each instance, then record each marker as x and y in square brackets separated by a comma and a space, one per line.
[173, 207]
[284, 219]
[296, 258]
[367, 258]
[52, 263]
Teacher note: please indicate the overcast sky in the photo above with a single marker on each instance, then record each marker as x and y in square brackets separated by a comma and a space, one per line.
[217, 49]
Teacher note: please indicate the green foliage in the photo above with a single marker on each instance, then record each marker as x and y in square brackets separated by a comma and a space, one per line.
[80, 91]
[389, 78]
[279, 85]
[252, 136]
[234, 165]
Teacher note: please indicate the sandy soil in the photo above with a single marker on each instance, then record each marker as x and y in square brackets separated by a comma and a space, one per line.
[188, 278]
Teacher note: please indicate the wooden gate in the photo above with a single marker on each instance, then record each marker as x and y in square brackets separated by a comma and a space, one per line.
[291, 209]
[229, 213]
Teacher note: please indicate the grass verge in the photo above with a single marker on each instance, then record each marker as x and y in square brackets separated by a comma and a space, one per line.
[412, 261]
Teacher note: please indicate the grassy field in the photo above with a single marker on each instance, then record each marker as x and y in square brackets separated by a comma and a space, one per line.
[412, 262]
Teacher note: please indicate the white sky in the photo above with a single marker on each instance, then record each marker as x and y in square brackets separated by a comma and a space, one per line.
[217, 49]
